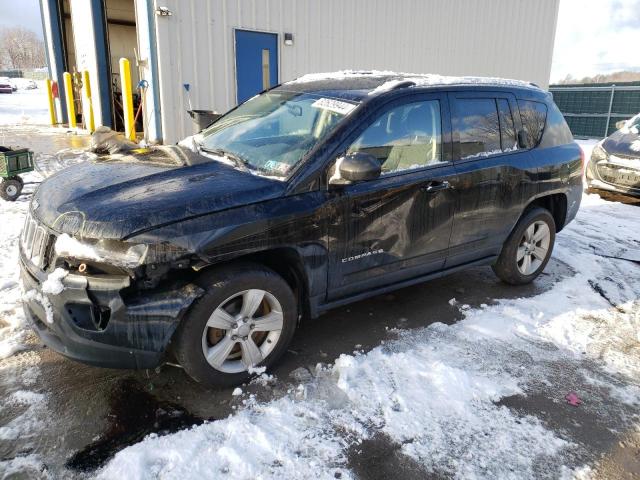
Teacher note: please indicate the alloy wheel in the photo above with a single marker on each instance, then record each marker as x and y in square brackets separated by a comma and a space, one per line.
[533, 248]
[242, 331]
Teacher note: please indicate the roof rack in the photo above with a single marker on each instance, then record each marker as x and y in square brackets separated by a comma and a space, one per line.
[406, 83]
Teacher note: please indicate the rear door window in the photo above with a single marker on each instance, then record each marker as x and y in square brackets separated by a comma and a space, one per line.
[533, 116]
[478, 127]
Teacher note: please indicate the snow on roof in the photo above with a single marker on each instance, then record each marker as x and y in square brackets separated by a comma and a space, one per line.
[392, 79]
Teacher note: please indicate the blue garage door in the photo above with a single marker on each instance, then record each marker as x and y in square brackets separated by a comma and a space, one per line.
[256, 62]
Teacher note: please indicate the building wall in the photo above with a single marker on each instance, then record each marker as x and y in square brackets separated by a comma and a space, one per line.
[195, 45]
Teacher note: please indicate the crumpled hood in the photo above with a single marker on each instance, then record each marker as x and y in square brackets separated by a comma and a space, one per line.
[623, 144]
[114, 199]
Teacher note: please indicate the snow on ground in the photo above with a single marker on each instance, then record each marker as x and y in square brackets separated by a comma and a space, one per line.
[437, 391]
[587, 146]
[25, 106]
[26, 408]
[12, 327]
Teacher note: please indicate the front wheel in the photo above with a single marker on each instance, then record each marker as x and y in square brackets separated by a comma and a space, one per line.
[246, 319]
[528, 249]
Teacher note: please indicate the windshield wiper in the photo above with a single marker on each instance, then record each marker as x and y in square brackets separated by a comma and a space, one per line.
[239, 162]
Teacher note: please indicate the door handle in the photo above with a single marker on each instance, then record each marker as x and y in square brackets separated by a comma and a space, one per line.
[435, 186]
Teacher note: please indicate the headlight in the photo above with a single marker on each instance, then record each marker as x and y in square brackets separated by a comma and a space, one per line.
[111, 252]
[598, 153]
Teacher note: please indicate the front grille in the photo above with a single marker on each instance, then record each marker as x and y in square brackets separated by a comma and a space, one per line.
[35, 242]
[619, 175]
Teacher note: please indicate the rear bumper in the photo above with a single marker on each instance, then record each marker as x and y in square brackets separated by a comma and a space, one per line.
[90, 322]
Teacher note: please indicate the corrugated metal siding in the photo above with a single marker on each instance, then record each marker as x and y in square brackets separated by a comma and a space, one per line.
[508, 38]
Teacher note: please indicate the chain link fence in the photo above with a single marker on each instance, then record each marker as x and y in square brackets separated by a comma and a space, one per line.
[592, 111]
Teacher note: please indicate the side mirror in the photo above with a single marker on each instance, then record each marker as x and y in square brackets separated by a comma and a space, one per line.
[620, 124]
[522, 139]
[356, 167]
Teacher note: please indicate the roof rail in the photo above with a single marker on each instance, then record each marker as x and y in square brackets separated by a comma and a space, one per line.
[406, 83]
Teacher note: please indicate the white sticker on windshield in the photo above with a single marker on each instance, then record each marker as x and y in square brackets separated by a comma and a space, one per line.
[333, 105]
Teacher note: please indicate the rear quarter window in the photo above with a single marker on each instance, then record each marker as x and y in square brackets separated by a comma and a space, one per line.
[533, 116]
[557, 131]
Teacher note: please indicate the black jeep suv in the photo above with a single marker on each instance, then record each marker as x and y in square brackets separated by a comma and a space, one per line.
[316, 193]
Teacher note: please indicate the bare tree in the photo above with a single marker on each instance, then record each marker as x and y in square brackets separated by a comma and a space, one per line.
[623, 76]
[21, 48]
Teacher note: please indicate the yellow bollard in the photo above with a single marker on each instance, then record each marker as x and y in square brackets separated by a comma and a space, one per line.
[68, 91]
[52, 105]
[88, 122]
[127, 100]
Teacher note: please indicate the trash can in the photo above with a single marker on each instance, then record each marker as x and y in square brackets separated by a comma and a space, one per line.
[203, 118]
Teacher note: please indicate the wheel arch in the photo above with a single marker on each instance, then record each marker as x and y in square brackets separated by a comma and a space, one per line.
[555, 203]
[286, 262]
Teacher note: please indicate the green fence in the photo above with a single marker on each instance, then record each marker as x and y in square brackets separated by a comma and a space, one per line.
[593, 110]
[11, 73]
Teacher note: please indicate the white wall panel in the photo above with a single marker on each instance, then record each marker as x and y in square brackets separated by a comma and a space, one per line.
[507, 38]
[86, 53]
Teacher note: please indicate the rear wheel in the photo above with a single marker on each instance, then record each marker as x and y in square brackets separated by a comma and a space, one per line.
[246, 319]
[528, 249]
[10, 189]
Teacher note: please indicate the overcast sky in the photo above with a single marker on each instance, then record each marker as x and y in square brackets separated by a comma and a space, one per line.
[25, 13]
[593, 36]
[596, 36]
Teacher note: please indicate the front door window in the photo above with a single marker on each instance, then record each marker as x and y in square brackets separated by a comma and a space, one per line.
[404, 138]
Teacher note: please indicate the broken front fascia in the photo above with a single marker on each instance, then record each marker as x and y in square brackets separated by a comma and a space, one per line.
[114, 252]
[117, 320]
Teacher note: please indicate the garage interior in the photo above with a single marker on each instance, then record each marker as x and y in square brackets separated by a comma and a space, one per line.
[120, 41]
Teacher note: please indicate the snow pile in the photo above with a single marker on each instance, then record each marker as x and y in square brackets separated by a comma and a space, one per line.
[436, 392]
[53, 284]
[281, 439]
[27, 421]
[420, 79]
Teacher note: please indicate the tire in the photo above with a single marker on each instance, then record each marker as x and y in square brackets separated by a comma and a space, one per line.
[231, 293]
[10, 189]
[18, 178]
[511, 266]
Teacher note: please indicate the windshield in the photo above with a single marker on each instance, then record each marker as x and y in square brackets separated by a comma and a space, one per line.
[272, 132]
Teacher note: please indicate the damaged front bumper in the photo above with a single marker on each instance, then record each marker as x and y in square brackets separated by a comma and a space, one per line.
[99, 320]
[614, 176]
